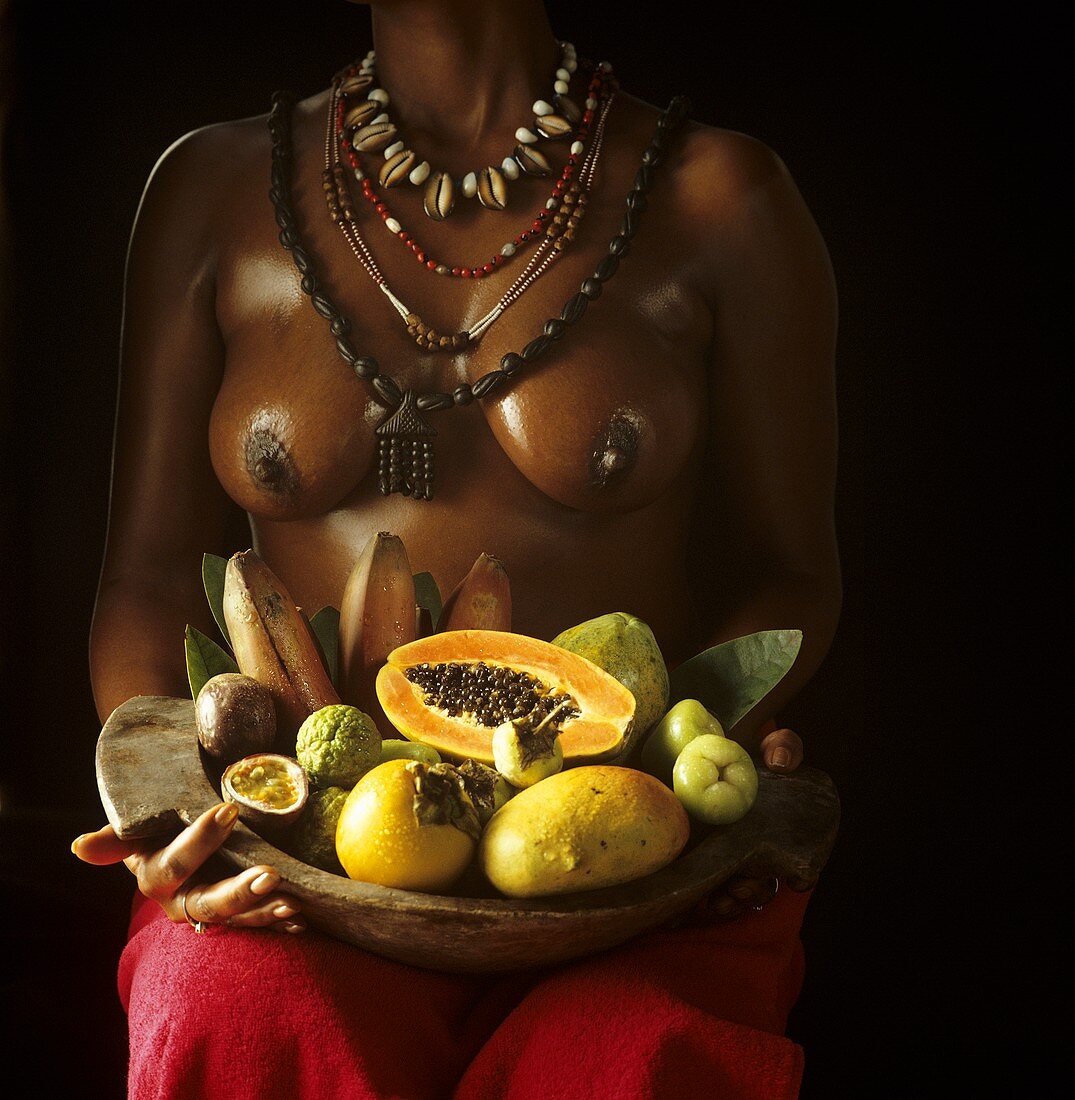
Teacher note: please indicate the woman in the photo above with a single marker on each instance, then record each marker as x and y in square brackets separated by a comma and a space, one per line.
[672, 455]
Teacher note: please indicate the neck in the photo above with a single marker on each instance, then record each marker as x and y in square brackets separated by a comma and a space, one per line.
[458, 71]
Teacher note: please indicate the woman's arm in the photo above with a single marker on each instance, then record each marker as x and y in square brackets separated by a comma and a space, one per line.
[166, 506]
[764, 548]
[166, 510]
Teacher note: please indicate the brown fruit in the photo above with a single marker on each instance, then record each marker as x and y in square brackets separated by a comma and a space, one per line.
[235, 716]
[377, 615]
[481, 600]
[273, 643]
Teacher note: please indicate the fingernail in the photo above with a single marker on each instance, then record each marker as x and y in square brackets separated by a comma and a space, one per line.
[724, 906]
[76, 842]
[265, 882]
[742, 891]
[284, 911]
[781, 758]
[294, 926]
[226, 814]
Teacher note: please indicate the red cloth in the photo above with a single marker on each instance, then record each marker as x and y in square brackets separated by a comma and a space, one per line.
[695, 1011]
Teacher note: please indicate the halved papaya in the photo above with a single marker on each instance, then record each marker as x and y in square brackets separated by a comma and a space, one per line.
[452, 689]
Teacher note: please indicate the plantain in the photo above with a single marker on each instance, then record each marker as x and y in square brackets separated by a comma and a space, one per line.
[272, 642]
[481, 600]
[377, 615]
[314, 638]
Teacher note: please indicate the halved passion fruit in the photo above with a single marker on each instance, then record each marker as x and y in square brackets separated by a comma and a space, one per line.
[451, 690]
[270, 790]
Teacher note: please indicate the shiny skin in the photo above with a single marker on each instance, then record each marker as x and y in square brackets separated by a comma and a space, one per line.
[239, 425]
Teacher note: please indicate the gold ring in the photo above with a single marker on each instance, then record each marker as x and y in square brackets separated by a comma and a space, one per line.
[199, 926]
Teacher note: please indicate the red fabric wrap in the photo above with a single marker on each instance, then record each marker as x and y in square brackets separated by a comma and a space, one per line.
[695, 1011]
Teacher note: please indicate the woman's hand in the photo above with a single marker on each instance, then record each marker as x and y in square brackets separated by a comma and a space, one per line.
[166, 875]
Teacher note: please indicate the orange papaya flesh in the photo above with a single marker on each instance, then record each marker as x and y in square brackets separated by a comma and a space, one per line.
[451, 690]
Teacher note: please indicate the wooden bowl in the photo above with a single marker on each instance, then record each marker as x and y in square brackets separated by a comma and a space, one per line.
[153, 780]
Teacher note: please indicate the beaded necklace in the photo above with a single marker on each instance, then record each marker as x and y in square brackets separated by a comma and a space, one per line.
[370, 129]
[555, 230]
[405, 440]
[525, 160]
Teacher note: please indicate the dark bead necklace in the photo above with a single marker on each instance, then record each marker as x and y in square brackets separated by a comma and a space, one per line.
[404, 439]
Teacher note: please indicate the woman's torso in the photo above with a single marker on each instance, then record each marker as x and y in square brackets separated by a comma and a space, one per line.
[524, 473]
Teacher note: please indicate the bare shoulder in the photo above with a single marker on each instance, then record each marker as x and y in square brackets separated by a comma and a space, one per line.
[206, 161]
[743, 203]
[728, 163]
[200, 197]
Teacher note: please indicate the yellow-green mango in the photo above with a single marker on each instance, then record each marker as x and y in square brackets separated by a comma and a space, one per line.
[587, 827]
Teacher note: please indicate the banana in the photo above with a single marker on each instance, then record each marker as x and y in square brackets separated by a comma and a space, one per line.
[314, 638]
[377, 614]
[254, 652]
[272, 642]
[481, 600]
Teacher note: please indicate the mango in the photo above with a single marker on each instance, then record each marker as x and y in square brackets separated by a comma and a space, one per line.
[581, 829]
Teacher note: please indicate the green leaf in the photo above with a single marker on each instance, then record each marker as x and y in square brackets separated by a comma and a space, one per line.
[731, 678]
[427, 595]
[326, 627]
[205, 659]
[213, 569]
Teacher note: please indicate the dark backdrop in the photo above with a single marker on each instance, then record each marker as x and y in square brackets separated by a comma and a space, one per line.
[923, 143]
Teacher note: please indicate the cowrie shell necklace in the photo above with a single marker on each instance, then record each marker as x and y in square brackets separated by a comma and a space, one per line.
[369, 129]
[555, 226]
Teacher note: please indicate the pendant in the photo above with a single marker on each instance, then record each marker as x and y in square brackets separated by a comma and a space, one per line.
[405, 452]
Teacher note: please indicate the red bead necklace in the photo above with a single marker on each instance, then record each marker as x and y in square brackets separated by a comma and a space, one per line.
[545, 223]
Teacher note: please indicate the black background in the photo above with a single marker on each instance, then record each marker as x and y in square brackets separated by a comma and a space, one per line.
[925, 145]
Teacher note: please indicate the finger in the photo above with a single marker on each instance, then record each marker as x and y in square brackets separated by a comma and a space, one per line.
[749, 889]
[162, 874]
[782, 750]
[279, 913]
[104, 847]
[248, 900]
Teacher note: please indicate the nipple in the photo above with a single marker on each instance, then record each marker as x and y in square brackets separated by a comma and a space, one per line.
[616, 451]
[268, 462]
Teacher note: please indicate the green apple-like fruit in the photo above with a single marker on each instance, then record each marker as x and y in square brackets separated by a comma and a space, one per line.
[715, 779]
[682, 723]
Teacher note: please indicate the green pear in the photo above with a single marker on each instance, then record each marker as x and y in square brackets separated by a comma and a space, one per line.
[684, 722]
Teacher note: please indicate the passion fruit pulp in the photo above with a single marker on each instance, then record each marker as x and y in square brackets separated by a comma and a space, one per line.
[271, 790]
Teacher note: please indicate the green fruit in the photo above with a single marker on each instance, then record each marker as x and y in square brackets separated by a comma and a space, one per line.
[684, 722]
[337, 745]
[394, 748]
[524, 755]
[313, 840]
[715, 779]
[624, 646]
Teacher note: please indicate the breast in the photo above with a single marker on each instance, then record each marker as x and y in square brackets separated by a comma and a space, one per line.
[605, 421]
[604, 425]
[291, 431]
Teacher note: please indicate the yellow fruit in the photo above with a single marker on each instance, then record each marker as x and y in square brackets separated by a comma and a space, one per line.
[581, 829]
[409, 825]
